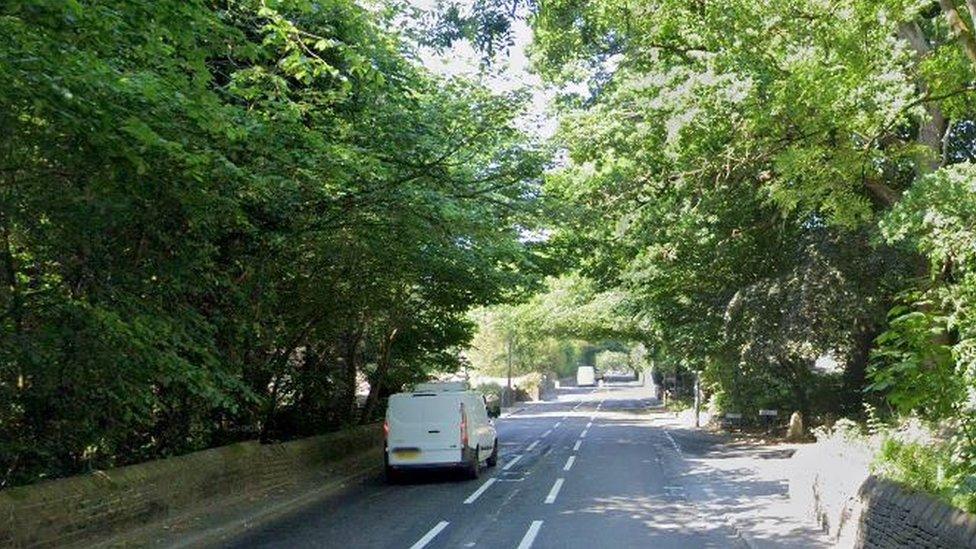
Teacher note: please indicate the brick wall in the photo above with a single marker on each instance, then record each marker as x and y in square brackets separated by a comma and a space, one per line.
[78, 510]
[894, 517]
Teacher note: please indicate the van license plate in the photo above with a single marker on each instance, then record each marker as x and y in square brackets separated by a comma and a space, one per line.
[407, 454]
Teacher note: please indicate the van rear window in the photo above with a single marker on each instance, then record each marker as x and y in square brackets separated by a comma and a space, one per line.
[426, 408]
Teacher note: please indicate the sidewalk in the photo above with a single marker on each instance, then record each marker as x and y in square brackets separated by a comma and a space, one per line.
[744, 484]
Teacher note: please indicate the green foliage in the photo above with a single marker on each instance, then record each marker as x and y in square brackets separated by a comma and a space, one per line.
[924, 363]
[758, 183]
[492, 391]
[680, 404]
[914, 368]
[216, 218]
[613, 361]
[503, 337]
[929, 468]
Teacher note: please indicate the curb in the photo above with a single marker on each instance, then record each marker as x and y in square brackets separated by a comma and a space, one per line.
[512, 413]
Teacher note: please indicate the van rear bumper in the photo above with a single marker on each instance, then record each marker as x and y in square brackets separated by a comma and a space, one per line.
[431, 459]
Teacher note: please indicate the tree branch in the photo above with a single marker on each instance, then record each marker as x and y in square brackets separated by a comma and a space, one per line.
[959, 28]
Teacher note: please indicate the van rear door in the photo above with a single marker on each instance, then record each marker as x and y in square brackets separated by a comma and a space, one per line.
[425, 428]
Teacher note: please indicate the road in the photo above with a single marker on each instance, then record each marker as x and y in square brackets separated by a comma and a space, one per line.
[593, 469]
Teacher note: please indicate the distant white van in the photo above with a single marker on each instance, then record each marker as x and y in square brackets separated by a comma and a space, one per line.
[439, 425]
[585, 376]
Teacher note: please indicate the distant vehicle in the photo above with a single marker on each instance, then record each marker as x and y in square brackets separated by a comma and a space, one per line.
[439, 426]
[585, 376]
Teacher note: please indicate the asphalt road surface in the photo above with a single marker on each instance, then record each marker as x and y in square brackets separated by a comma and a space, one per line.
[590, 470]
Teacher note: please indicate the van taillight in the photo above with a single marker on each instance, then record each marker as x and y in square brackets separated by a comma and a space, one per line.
[464, 428]
[386, 429]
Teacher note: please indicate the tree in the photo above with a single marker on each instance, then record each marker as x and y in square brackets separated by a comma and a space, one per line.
[217, 218]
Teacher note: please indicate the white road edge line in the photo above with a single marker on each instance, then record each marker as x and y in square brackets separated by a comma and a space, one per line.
[547, 433]
[429, 536]
[531, 446]
[479, 491]
[512, 462]
[673, 443]
[530, 535]
[551, 498]
[569, 463]
[577, 445]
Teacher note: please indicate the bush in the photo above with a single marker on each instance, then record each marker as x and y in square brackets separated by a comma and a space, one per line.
[491, 390]
[918, 457]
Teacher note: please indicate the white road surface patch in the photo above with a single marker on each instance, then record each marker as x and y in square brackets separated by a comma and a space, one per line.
[477, 493]
[429, 536]
[551, 498]
[577, 445]
[569, 463]
[530, 535]
[532, 446]
[512, 462]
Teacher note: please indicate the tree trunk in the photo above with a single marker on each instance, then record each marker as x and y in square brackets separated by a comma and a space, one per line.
[347, 401]
[962, 32]
[382, 368]
[931, 132]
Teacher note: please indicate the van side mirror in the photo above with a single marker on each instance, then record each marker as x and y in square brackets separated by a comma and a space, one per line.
[494, 411]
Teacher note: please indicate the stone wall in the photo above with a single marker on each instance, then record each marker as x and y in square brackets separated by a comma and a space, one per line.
[80, 510]
[894, 517]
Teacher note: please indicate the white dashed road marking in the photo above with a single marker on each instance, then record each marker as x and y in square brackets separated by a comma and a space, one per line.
[477, 493]
[577, 445]
[429, 536]
[530, 535]
[512, 463]
[532, 446]
[569, 463]
[547, 433]
[551, 498]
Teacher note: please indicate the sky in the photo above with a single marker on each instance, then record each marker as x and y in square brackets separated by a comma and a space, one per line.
[509, 72]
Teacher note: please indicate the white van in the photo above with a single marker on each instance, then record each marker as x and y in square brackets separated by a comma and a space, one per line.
[585, 376]
[439, 425]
